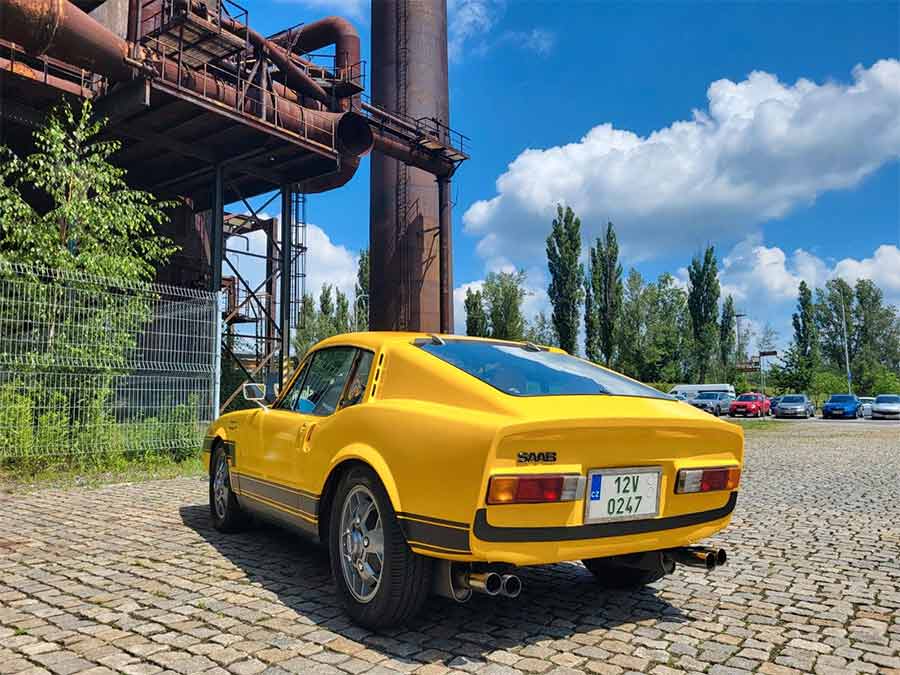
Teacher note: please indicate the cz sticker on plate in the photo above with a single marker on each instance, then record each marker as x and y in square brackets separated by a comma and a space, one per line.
[622, 494]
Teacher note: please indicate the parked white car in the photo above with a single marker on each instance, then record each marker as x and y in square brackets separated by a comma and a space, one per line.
[886, 407]
[866, 402]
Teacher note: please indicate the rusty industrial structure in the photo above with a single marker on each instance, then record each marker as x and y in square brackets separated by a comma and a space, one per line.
[212, 112]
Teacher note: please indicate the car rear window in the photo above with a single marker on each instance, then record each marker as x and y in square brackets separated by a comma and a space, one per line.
[747, 397]
[792, 399]
[707, 395]
[841, 398]
[890, 398]
[519, 370]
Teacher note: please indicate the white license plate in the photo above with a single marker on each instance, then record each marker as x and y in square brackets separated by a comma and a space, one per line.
[622, 494]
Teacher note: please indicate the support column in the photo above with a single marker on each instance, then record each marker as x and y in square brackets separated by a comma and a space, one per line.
[445, 231]
[284, 297]
[217, 233]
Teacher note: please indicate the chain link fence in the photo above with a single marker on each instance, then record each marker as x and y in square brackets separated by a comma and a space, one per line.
[93, 370]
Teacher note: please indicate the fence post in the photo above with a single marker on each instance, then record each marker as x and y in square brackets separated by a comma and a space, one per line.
[217, 355]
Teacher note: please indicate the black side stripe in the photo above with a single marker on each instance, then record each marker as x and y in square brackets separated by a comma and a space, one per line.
[298, 500]
[429, 519]
[450, 539]
[487, 532]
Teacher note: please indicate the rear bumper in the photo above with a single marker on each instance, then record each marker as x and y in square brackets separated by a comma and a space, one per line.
[543, 545]
[885, 415]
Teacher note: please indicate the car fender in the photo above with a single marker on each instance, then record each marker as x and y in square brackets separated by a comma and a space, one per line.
[215, 433]
[368, 455]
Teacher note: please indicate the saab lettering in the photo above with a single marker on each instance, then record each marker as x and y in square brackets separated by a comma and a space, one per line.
[536, 457]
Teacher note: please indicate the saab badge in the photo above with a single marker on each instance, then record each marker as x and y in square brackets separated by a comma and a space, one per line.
[535, 457]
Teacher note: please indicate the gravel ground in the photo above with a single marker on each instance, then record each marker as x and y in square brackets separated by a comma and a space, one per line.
[130, 578]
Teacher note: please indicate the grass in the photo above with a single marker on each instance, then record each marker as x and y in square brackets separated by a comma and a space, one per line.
[758, 425]
[148, 467]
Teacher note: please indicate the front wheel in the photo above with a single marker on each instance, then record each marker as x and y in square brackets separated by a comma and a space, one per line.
[614, 576]
[224, 509]
[379, 580]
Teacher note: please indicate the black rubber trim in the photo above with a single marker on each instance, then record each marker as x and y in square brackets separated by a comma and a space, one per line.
[487, 532]
[429, 519]
[292, 498]
[431, 534]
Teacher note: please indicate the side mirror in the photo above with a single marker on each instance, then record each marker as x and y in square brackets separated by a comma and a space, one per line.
[254, 392]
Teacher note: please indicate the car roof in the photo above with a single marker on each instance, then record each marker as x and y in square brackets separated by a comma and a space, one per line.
[378, 339]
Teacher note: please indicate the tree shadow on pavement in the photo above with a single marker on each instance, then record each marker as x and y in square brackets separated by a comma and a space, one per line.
[559, 602]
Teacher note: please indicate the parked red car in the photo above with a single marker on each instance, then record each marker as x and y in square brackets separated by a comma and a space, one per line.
[750, 404]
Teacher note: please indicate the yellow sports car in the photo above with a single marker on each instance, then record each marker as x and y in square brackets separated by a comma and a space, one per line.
[432, 463]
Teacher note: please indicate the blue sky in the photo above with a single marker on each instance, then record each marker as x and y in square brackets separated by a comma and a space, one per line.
[771, 130]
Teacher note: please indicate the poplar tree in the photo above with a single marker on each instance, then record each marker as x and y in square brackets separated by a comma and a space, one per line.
[606, 279]
[703, 303]
[476, 319]
[566, 272]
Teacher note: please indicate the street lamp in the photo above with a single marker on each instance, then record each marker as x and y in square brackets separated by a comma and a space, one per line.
[361, 296]
[846, 351]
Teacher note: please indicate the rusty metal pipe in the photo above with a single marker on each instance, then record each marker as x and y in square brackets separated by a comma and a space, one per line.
[294, 75]
[391, 147]
[330, 30]
[59, 29]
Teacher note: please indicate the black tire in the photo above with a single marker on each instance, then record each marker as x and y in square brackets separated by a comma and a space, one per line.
[405, 576]
[232, 517]
[613, 576]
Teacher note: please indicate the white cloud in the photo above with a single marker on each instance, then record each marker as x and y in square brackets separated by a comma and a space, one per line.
[471, 30]
[761, 149]
[767, 276]
[883, 268]
[537, 40]
[469, 23]
[357, 10]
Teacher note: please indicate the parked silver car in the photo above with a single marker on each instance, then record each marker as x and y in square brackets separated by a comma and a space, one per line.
[886, 407]
[867, 402]
[714, 402]
[794, 405]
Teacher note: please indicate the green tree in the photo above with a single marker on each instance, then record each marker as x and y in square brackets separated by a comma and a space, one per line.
[540, 331]
[326, 311]
[703, 300]
[606, 280]
[504, 293]
[341, 312]
[726, 339]
[476, 319]
[668, 346]
[631, 327]
[361, 294]
[566, 272]
[876, 334]
[591, 323]
[801, 359]
[89, 219]
[834, 303]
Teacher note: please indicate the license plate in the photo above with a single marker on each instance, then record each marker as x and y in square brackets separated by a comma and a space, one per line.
[622, 494]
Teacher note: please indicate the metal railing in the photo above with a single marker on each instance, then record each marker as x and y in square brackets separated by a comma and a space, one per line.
[49, 71]
[91, 367]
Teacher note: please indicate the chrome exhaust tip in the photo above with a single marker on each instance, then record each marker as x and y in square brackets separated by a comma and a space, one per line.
[512, 585]
[489, 583]
[449, 581]
[699, 556]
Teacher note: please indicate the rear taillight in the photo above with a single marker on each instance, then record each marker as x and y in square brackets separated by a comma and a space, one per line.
[707, 480]
[533, 489]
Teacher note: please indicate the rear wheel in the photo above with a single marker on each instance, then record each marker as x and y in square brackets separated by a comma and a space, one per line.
[379, 580]
[610, 575]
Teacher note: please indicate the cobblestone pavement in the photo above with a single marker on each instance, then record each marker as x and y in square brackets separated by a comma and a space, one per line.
[131, 578]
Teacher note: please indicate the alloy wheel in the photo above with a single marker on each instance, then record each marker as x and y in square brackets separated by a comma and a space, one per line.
[362, 543]
[221, 486]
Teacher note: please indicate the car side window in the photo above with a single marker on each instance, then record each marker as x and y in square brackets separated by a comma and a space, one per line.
[357, 387]
[289, 401]
[325, 381]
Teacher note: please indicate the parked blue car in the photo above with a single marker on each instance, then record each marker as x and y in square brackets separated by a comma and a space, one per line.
[842, 405]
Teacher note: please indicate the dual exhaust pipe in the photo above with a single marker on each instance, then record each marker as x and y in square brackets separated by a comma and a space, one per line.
[457, 582]
[699, 556]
